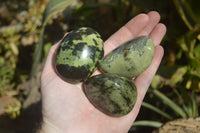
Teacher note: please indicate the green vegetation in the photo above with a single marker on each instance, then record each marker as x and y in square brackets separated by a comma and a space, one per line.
[29, 27]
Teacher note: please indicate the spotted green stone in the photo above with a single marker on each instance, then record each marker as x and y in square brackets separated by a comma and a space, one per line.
[131, 58]
[79, 55]
[111, 93]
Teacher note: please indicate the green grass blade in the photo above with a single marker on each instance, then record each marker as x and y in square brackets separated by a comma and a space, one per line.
[194, 105]
[183, 99]
[186, 109]
[38, 53]
[54, 7]
[155, 109]
[169, 103]
[184, 14]
[147, 123]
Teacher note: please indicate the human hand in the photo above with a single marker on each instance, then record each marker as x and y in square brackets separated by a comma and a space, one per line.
[65, 107]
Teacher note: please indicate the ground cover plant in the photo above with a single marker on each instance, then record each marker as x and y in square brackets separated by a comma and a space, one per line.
[27, 30]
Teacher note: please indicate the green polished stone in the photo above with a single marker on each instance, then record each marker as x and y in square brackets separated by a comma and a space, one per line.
[131, 58]
[79, 55]
[111, 93]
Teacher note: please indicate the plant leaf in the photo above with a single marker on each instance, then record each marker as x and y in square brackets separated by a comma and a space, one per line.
[183, 98]
[170, 103]
[196, 51]
[147, 123]
[177, 76]
[192, 8]
[37, 53]
[153, 108]
[157, 82]
[55, 6]
[194, 105]
[196, 72]
[179, 4]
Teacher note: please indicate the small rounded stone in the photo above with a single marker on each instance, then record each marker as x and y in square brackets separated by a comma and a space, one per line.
[131, 58]
[112, 94]
[79, 55]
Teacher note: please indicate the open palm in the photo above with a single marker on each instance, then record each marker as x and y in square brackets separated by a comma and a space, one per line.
[65, 107]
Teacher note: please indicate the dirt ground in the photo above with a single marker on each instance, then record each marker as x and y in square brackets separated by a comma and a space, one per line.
[28, 122]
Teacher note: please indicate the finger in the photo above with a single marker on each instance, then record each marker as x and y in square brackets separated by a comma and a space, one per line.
[144, 80]
[157, 33]
[127, 32]
[154, 18]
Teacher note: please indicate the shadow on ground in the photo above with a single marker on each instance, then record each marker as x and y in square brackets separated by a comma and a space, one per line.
[28, 122]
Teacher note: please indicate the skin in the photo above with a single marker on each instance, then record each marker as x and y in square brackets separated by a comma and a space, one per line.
[65, 107]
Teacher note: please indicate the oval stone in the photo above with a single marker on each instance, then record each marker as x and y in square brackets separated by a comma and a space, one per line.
[131, 58]
[79, 55]
[111, 93]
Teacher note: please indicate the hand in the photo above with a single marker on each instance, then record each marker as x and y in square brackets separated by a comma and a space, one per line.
[65, 107]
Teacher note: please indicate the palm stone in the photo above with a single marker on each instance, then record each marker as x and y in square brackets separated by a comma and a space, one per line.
[112, 94]
[131, 58]
[79, 55]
